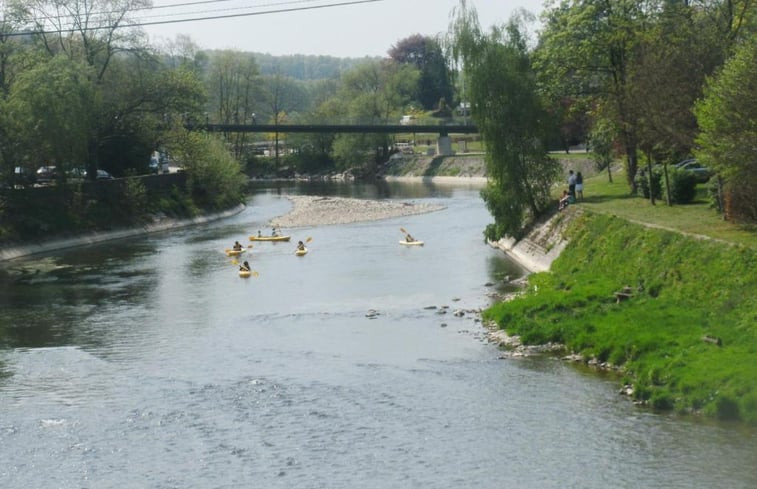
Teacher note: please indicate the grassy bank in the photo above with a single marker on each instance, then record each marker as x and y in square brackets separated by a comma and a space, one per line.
[686, 338]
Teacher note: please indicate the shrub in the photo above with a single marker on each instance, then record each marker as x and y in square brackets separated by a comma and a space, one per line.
[683, 186]
[135, 198]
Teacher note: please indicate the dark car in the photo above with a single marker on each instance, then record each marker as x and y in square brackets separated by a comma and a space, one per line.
[701, 172]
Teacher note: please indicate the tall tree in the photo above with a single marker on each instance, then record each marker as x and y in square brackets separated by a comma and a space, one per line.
[234, 86]
[512, 121]
[373, 93]
[281, 95]
[425, 53]
[586, 49]
[93, 30]
[728, 119]
[51, 106]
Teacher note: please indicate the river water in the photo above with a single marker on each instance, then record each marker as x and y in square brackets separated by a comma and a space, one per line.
[149, 364]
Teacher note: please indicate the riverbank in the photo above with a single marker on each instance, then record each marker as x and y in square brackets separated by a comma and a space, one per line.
[159, 224]
[639, 301]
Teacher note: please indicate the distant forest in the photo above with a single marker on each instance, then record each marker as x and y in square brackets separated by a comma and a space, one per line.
[306, 67]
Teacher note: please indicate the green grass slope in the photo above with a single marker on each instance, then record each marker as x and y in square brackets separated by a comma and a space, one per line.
[687, 293]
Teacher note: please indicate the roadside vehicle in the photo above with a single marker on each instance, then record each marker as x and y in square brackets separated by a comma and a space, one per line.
[103, 175]
[46, 175]
[701, 172]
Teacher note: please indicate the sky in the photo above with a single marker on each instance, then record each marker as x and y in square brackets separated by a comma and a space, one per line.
[354, 29]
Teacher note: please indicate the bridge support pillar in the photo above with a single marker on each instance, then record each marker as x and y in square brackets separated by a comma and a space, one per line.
[444, 146]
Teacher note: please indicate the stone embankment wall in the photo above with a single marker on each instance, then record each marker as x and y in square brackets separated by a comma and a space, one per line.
[542, 245]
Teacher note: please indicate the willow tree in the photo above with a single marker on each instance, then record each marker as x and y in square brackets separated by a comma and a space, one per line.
[511, 119]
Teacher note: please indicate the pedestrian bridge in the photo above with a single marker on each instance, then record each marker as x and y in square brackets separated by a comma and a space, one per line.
[444, 143]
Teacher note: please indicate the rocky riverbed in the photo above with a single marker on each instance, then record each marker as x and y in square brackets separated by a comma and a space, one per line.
[322, 211]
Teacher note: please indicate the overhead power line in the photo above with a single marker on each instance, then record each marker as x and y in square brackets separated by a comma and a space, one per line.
[80, 28]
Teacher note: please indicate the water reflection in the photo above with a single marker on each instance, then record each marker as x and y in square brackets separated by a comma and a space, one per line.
[381, 189]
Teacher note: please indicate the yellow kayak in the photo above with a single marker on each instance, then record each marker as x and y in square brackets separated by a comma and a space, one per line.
[412, 243]
[245, 273]
[270, 238]
[231, 252]
[301, 252]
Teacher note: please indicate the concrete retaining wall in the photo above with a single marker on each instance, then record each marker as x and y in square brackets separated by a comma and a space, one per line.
[541, 246]
[11, 252]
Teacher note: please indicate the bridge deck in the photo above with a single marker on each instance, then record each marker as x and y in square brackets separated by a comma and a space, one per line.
[340, 128]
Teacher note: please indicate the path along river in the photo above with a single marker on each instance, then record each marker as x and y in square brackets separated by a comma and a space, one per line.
[149, 364]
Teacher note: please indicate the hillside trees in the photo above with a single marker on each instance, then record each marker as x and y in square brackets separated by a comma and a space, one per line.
[511, 119]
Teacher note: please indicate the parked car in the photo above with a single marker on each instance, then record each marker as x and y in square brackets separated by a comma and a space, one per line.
[46, 175]
[701, 172]
[103, 175]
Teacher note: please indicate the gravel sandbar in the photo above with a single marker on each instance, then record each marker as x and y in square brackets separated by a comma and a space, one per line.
[322, 211]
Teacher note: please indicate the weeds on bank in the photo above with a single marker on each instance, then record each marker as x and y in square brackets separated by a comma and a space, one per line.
[682, 290]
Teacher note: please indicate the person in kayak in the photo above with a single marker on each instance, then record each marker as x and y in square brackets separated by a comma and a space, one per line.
[237, 246]
[408, 238]
[244, 267]
[274, 233]
[301, 246]
[259, 235]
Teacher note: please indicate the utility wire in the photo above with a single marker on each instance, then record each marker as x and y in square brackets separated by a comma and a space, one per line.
[195, 19]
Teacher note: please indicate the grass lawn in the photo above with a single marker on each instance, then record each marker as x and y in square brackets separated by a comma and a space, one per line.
[696, 218]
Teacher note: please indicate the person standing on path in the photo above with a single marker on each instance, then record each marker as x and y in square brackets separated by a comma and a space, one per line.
[572, 184]
[579, 185]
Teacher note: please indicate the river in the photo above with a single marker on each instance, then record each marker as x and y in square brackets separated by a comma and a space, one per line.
[148, 363]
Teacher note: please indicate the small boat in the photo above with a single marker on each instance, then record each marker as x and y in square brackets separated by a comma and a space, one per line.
[231, 252]
[270, 238]
[411, 243]
[301, 252]
[245, 273]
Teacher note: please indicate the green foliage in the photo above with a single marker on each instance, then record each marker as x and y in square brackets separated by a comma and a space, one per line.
[435, 79]
[215, 178]
[683, 186]
[135, 197]
[52, 109]
[728, 125]
[511, 119]
[683, 289]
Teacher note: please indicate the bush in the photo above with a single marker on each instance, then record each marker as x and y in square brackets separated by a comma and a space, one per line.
[683, 186]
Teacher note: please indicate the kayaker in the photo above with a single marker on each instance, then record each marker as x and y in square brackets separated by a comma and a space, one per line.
[237, 246]
[301, 246]
[408, 238]
[259, 235]
[244, 267]
[274, 233]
